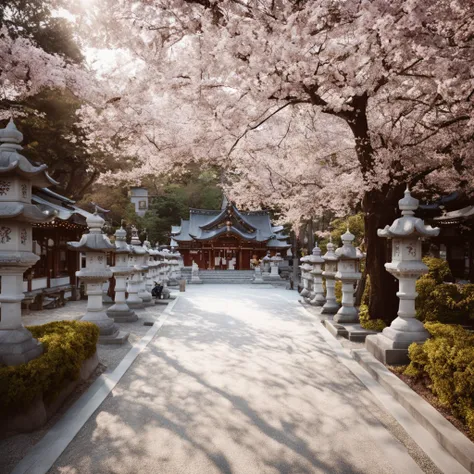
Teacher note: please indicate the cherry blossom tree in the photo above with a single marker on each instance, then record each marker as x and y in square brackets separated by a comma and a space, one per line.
[217, 81]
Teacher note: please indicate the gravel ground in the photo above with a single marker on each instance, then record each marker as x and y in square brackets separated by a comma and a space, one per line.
[15, 447]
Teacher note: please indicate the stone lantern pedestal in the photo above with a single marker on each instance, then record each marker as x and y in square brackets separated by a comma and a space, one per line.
[95, 245]
[391, 347]
[133, 286]
[120, 311]
[266, 261]
[305, 268]
[258, 279]
[17, 214]
[315, 260]
[150, 262]
[140, 255]
[330, 269]
[195, 274]
[166, 275]
[274, 266]
[348, 273]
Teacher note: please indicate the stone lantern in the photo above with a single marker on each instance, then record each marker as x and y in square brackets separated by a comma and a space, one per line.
[316, 261]
[305, 268]
[95, 245]
[166, 275]
[141, 264]
[266, 264]
[274, 265]
[17, 214]
[135, 281]
[406, 233]
[195, 273]
[348, 272]
[178, 265]
[330, 269]
[150, 263]
[120, 311]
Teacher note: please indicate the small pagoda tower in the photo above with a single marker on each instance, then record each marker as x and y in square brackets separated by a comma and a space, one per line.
[95, 245]
[406, 234]
[17, 214]
[120, 311]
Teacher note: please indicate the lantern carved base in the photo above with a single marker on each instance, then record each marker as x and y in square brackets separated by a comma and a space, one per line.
[121, 313]
[17, 346]
[391, 347]
[330, 307]
[347, 314]
[109, 332]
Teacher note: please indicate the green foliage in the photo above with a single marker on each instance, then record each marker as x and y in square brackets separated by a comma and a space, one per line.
[36, 20]
[366, 294]
[447, 358]
[117, 201]
[338, 291]
[51, 136]
[172, 202]
[367, 323]
[438, 269]
[339, 226]
[67, 344]
[356, 227]
[439, 301]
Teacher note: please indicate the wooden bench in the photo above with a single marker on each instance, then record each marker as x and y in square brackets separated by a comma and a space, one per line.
[54, 298]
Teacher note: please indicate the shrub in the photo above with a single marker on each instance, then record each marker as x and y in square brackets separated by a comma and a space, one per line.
[446, 302]
[364, 317]
[367, 323]
[67, 344]
[439, 301]
[447, 359]
[438, 269]
[338, 291]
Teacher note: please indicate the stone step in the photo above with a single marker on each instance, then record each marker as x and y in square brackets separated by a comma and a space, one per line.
[220, 281]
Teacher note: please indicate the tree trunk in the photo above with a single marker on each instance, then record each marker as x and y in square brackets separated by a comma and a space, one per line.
[379, 208]
[360, 288]
[383, 302]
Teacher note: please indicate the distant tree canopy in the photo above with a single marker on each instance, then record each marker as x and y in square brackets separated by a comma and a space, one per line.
[172, 201]
[35, 20]
[47, 118]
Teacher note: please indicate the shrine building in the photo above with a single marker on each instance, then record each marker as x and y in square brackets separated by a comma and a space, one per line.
[227, 239]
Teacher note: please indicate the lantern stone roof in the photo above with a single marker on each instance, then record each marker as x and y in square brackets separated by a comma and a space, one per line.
[95, 240]
[348, 251]
[315, 256]
[330, 255]
[408, 224]
[25, 212]
[206, 224]
[121, 245]
[12, 163]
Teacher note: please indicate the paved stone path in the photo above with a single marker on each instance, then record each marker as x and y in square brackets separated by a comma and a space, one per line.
[237, 381]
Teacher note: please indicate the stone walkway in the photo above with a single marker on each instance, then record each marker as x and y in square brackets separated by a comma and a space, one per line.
[237, 381]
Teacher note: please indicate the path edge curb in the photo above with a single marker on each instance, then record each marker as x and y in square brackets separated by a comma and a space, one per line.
[458, 445]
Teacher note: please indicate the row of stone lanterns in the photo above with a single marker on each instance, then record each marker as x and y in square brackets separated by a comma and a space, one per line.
[343, 265]
[138, 263]
[406, 233]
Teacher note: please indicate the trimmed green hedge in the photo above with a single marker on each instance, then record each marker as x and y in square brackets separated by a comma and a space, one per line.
[67, 344]
[447, 359]
[443, 302]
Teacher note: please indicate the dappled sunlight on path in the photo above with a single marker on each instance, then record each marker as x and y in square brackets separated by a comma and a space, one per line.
[237, 381]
